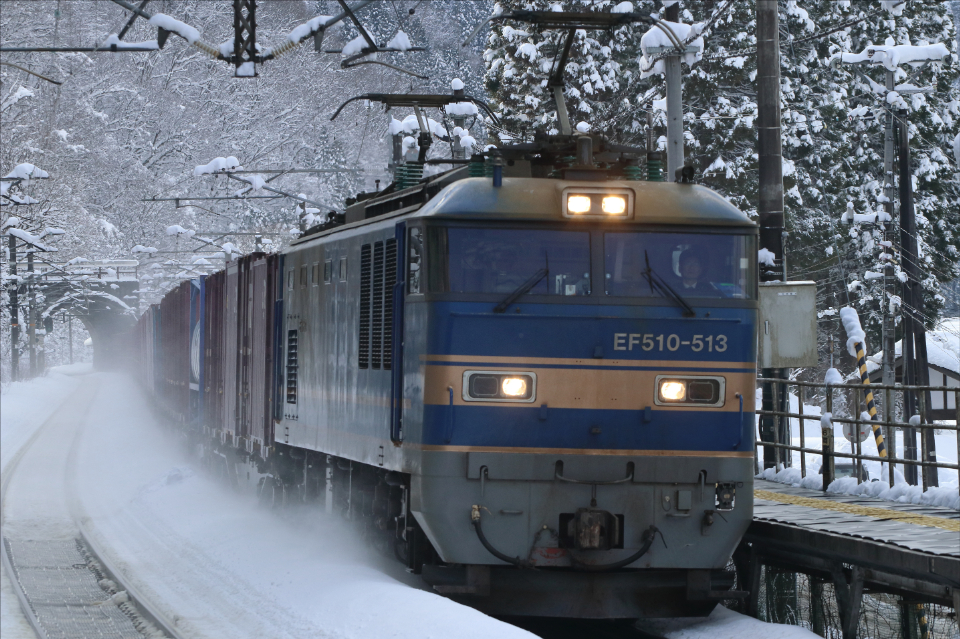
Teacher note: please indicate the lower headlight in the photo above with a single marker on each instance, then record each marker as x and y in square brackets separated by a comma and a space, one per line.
[499, 386]
[672, 390]
[690, 390]
[514, 386]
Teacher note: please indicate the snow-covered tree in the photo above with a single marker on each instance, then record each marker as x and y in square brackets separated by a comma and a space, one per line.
[597, 79]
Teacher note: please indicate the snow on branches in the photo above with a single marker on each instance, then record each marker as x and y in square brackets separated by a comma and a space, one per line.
[218, 165]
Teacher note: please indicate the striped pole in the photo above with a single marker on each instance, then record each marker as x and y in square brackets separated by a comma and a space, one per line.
[922, 621]
[871, 405]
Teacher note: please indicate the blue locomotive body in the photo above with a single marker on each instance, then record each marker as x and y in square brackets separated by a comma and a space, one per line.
[498, 382]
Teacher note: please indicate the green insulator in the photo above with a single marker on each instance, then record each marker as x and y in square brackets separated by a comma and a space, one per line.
[654, 167]
[488, 169]
[400, 176]
[477, 166]
[632, 172]
[414, 173]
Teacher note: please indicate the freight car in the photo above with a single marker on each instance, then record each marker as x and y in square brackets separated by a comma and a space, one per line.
[532, 376]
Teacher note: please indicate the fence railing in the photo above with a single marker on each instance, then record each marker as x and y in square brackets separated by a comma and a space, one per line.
[890, 397]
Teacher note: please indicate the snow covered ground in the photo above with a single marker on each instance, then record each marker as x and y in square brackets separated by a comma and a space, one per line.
[946, 440]
[727, 624]
[208, 557]
[24, 406]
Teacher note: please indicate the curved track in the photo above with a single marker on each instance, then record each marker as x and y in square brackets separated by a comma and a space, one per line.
[44, 530]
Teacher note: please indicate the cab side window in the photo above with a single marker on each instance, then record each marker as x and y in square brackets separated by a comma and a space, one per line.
[415, 261]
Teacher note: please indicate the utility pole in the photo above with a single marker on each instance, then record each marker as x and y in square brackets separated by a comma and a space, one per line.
[674, 81]
[459, 120]
[915, 370]
[889, 329]
[31, 315]
[70, 335]
[771, 191]
[14, 312]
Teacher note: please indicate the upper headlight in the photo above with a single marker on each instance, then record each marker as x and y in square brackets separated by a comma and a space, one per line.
[614, 204]
[597, 202]
[579, 204]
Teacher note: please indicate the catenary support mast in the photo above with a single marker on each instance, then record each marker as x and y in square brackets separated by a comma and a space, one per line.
[771, 187]
[674, 81]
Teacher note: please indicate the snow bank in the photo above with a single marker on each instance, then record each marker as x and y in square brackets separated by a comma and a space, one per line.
[114, 41]
[851, 324]
[724, 623]
[218, 165]
[656, 37]
[182, 29]
[945, 496]
[400, 41]
[140, 248]
[891, 56]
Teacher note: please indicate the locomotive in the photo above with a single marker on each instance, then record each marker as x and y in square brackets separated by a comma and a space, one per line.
[531, 376]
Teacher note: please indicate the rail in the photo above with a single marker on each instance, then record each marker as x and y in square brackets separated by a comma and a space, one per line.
[885, 430]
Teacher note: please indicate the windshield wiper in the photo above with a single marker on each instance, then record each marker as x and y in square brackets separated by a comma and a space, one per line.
[524, 288]
[660, 285]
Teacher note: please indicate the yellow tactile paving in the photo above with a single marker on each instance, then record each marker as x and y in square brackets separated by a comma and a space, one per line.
[855, 509]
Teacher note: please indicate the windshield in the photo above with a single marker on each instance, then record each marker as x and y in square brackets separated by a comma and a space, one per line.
[693, 264]
[484, 260]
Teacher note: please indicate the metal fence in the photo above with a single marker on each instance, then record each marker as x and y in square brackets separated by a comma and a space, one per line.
[890, 398]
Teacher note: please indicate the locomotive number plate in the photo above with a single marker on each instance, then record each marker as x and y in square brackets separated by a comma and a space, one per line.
[651, 342]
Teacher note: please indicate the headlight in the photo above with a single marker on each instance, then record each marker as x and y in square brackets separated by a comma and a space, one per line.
[579, 204]
[513, 386]
[692, 390]
[499, 386]
[614, 205]
[673, 390]
[597, 202]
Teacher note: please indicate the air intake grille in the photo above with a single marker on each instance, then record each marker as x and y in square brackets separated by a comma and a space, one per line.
[389, 280]
[292, 364]
[376, 341]
[366, 291]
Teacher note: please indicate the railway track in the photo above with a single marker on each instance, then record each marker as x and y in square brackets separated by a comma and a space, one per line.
[63, 579]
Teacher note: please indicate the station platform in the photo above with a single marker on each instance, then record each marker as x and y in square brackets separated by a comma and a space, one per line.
[855, 541]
